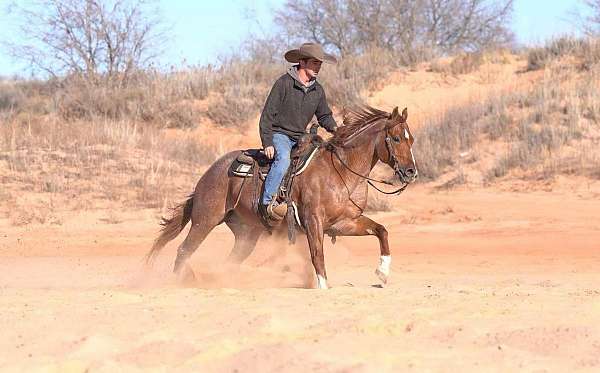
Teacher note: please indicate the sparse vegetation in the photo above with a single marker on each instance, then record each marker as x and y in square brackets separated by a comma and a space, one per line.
[466, 63]
[585, 51]
[378, 202]
[229, 95]
[541, 130]
[104, 161]
[73, 140]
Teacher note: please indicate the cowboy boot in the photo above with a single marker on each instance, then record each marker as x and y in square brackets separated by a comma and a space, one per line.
[276, 210]
[267, 216]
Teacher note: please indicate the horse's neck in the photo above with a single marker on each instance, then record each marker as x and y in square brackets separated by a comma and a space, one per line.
[360, 159]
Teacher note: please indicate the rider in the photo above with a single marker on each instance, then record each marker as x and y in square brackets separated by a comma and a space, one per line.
[293, 101]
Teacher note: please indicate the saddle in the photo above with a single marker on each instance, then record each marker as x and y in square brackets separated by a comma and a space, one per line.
[302, 154]
[253, 163]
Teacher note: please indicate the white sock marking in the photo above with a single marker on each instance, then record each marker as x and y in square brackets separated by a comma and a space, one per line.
[384, 264]
[321, 282]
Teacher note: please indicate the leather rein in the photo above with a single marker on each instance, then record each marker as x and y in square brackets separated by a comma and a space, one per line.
[370, 180]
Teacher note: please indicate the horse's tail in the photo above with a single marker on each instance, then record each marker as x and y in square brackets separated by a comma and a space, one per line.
[171, 227]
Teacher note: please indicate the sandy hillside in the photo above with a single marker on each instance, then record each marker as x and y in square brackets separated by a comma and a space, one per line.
[493, 279]
[428, 93]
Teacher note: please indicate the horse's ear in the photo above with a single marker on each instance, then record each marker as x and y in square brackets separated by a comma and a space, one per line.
[394, 118]
[404, 115]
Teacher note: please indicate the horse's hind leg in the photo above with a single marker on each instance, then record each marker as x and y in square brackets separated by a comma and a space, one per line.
[202, 224]
[246, 237]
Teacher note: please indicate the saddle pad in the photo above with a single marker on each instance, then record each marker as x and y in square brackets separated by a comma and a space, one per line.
[242, 168]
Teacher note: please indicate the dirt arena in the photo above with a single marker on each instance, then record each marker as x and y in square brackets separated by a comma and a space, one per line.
[482, 280]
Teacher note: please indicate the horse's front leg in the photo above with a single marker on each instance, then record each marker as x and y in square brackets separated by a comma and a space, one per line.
[363, 226]
[314, 233]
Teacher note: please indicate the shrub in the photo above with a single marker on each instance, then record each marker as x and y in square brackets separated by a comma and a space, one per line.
[464, 63]
[587, 50]
[11, 96]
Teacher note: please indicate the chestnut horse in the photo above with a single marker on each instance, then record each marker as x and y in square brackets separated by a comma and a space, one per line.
[331, 194]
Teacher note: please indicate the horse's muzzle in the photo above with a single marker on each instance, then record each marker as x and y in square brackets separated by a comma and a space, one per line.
[407, 175]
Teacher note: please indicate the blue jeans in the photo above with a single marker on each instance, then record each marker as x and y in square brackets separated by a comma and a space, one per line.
[283, 147]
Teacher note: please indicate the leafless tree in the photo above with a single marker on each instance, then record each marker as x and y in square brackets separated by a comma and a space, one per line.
[406, 26]
[591, 22]
[97, 40]
[467, 24]
[327, 22]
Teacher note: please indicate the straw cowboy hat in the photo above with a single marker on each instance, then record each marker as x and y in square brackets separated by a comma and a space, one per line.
[309, 50]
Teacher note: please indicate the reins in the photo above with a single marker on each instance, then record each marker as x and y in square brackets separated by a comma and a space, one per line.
[369, 179]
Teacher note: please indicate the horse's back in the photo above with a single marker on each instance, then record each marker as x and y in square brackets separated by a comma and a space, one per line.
[215, 180]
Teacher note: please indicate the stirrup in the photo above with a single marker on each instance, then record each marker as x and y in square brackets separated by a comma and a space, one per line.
[277, 211]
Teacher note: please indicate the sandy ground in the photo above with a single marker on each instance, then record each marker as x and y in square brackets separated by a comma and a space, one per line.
[482, 280]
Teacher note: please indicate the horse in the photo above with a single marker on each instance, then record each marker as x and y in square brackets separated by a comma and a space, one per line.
[330, 195]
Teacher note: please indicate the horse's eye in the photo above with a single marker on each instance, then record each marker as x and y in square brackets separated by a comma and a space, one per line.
[396, 138]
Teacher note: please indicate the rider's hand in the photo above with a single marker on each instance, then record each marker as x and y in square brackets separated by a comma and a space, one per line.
[270, 152]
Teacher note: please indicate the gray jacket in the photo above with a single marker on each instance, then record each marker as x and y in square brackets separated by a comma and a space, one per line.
[290, 107]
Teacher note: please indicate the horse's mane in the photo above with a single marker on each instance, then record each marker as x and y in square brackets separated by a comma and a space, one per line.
[356, 120]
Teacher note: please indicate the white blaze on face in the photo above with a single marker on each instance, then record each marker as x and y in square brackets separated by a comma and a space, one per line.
[407, 136]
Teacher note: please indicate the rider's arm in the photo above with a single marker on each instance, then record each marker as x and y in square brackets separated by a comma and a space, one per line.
[324, 115]
[269, 113]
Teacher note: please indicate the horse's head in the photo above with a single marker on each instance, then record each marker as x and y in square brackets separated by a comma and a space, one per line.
[394, 147]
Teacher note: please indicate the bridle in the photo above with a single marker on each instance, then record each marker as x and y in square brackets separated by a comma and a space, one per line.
[391, 155]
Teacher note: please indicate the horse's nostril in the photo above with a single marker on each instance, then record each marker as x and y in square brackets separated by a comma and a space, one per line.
[410, 172]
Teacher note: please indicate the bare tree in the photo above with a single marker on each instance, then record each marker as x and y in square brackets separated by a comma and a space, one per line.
[405, 26]
[97, 40]
[591, 22]
[466, 24]
[327, 22]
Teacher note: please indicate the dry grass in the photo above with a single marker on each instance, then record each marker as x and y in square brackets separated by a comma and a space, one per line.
[378, 202]
[349, 81]
[228, 95]
[466, 63]
[586, 51]
[561, 126]
[160, 99]
[440, 142]
[543, 129]
[75, 147]
[86, 146]
[240, 87]
[164, 100]
[101, 163]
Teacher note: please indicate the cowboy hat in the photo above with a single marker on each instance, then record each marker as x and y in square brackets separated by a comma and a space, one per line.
[309, 50]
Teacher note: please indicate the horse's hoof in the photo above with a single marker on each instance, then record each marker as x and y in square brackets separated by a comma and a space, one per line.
[382, 276]
[186, 276]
